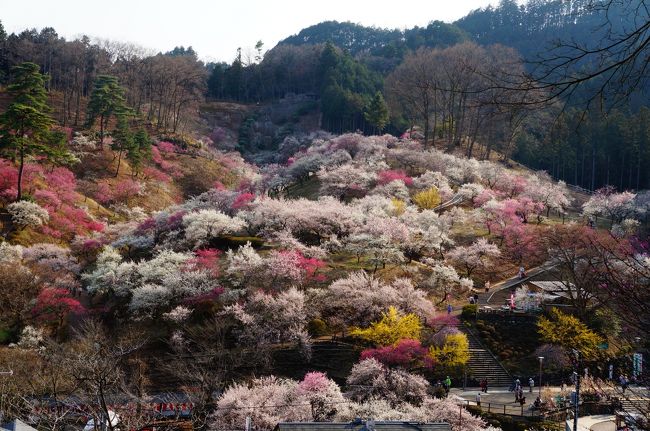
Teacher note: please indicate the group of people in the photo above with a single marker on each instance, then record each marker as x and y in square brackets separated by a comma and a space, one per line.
[624, 382]
[484, 388]
[519, 392]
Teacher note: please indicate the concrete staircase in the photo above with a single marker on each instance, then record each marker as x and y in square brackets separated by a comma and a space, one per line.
[636, 401]
[483, 364]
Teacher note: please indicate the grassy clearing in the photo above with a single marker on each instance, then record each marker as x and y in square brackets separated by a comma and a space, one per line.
[308, 189]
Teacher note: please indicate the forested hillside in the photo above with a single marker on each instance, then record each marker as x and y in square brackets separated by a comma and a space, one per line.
[355, 78]
[319, 232]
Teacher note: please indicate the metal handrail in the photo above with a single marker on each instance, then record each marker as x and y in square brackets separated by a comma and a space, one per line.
[504, 409]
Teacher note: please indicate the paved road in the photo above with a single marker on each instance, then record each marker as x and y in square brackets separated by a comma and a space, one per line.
[500, 291]
[498, 397]
[501, 400]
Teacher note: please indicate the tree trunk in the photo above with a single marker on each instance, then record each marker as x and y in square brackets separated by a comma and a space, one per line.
[622, 170]
[593, 167]
[77, 108]
[21, 168]
[119, 162]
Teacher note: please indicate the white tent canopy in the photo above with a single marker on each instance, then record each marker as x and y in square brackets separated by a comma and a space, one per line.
[16, 425]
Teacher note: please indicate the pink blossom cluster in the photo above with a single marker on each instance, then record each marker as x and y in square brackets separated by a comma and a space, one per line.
[406, 353]
[54, 190]
[385, 177]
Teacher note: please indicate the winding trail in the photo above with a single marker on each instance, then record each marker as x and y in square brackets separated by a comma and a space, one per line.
[455, 200]
[499, 292]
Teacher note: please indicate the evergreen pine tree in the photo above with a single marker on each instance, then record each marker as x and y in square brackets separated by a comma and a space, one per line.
[139, 151]
[25, 125]
[106, 100]
[123, 140]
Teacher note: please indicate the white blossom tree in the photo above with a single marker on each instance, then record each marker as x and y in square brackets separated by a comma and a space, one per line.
[615, 206]
[204, 225]
[369, 379]
[474, 256]
[267, 319]
[27, 214]
[444, 281]
[359, 299]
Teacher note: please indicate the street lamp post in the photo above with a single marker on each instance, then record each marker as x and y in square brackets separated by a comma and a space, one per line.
[541, 359]
[577, 400]
[2, 395]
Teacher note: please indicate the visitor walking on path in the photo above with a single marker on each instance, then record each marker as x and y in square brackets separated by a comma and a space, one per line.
[447, 385]
[478, 399]
[623, 381]
[522, 273]
[487, 286]
[449, 308]
[531, 384]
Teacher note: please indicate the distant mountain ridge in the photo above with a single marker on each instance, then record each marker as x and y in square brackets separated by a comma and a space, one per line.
[358, 39]
[528, 28]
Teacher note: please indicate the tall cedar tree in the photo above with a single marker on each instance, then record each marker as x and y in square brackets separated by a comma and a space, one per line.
[25, 125]
[106, 100]
[377, 112]
[139, 151]
[123, 140]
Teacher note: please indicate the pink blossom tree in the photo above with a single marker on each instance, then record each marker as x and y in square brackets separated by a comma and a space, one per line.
[406, 354]
[522, 242]
[323, 394]
[385, 177]
[54, 305]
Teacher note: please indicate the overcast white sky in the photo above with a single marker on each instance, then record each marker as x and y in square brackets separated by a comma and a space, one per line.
[216, 28]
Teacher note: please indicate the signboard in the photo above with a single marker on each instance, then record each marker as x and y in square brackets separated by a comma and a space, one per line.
[637, 364]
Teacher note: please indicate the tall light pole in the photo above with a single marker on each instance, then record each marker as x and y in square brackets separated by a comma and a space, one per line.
[2, 395]
[541, 359]
[576, 353]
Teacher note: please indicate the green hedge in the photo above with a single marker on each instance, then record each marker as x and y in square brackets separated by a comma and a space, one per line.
[469, 311]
